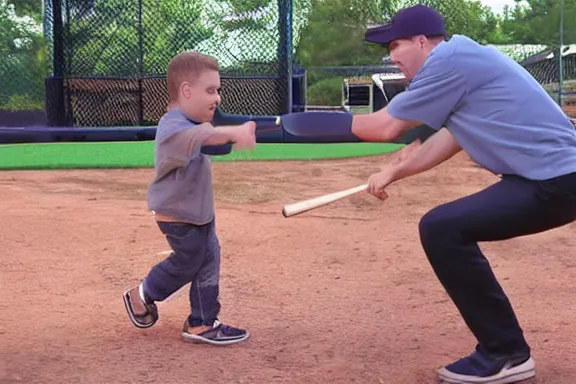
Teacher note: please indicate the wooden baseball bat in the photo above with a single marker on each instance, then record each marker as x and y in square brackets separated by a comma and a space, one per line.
[315, 202]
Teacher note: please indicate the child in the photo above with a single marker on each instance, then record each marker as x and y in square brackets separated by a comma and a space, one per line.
[181, 199]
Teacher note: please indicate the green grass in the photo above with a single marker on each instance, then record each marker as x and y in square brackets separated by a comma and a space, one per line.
[140, 154]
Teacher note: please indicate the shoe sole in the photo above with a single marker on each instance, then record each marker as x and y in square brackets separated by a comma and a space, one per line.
[201, 340]
[126, 299]
[521, 372]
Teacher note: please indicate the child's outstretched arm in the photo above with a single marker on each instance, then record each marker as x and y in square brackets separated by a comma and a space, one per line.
[174, 151]
[188, 141]
[242, 136]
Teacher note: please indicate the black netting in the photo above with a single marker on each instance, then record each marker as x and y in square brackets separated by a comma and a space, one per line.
[114, 55]
[92, 102]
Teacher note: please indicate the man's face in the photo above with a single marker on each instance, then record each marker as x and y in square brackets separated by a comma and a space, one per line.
[408, 55]
[202, 96]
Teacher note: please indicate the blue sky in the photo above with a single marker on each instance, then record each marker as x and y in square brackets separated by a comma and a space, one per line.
[498, 5]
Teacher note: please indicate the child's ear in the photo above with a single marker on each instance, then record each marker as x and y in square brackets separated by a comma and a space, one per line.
[185, 90]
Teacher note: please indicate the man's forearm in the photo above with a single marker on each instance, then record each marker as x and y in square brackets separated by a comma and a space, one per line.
[438, 148]
[380, 126]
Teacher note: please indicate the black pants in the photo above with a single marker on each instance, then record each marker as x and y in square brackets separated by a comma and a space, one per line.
[450, 234]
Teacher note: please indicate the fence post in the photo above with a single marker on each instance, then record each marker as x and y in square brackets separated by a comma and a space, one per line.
[560, 58]
[54, 85]
[285, 12]
[140, 64]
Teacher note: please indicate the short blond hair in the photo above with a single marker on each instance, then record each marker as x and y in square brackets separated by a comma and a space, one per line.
[186, 66]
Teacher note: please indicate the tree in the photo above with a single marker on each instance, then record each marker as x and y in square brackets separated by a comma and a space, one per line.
[334, 33]
[113, 38]
[22, 57]
[539, 22]
[27, 8]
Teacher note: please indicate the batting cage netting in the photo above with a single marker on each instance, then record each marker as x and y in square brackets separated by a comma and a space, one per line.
[103, 62]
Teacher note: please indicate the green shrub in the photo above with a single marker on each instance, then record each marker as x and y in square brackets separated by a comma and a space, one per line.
[325, 92]
[23, 103]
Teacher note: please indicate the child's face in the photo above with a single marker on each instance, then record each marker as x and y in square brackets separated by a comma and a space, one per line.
[199, 98]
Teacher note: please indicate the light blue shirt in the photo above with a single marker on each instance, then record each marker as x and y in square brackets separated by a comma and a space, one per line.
[498, 113]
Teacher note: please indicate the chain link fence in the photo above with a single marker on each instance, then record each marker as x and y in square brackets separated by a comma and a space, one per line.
[22, 66]
[114, 54]
[103, 62]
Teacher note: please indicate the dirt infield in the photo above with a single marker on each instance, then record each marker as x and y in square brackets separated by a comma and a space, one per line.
[343, 294]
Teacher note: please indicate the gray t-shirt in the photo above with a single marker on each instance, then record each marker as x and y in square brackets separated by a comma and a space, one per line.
[182, 186]
[499, 114]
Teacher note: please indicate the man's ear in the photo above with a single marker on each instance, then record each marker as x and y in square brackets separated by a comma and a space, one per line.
[421, 41]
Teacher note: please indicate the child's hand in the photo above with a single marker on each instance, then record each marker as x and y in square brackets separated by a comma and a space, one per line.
[245, 136]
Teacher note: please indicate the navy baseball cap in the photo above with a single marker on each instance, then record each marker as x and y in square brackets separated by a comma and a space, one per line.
[408, 22]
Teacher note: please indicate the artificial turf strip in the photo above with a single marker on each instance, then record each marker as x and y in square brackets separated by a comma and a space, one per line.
[140, 154]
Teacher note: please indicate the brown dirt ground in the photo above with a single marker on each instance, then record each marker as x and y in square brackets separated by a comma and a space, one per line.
[570, 110]
[342, 294]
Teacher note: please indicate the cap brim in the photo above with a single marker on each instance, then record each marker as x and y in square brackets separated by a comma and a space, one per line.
[381, 34]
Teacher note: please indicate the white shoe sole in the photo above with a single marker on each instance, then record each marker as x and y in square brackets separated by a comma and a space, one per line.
[201, 340]
[512, 375]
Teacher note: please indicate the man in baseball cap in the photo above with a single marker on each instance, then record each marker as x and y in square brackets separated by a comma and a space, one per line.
[419, 20]
[484, 103]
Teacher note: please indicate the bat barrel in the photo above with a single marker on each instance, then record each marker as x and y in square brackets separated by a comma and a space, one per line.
[318, 127]
[313, 203]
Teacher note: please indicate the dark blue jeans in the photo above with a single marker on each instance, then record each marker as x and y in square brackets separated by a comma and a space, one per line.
[195, 259]
[450, 234]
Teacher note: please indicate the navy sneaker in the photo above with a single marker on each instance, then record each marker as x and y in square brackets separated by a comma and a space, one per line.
[481, 368]
[217, 334]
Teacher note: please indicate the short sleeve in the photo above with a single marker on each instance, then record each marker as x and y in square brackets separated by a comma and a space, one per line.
[179, 141]
[187, 141]
[432, 95]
